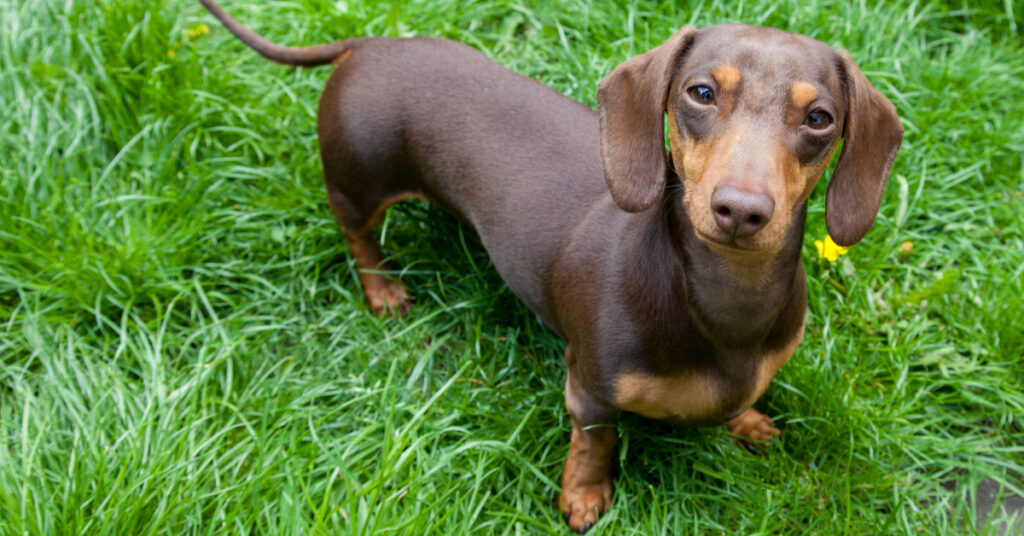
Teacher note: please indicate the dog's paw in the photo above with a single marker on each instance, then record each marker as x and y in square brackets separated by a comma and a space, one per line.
[582, 505]
[389, 297]
[752, 428]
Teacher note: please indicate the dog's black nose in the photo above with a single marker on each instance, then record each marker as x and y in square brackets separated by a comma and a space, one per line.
[740, 213]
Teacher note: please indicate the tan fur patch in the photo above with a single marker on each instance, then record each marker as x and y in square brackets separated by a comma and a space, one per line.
[811, 174]
[686, 398]
[341, 57]
[693, 159]
[801, 179]
[586, 478]
[692, 397]
[802, 93]
[770, 365]
[378, 213]
[727, 76]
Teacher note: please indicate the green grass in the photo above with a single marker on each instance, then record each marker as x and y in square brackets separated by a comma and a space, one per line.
[184, 347]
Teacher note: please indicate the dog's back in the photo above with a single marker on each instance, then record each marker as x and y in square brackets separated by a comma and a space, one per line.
[437, 119]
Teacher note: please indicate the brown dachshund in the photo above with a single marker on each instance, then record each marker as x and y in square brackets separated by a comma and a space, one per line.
[674, 277]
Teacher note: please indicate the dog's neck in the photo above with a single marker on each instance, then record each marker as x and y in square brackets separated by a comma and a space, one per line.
[733, 301]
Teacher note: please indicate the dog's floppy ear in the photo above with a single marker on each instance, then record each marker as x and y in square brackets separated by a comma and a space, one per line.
[872, 134]
[631, 102]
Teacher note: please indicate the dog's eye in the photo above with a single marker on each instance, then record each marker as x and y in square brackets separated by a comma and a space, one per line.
[702, 94]
[818, 120]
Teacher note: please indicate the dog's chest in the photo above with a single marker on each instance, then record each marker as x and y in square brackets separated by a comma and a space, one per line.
[700, 396]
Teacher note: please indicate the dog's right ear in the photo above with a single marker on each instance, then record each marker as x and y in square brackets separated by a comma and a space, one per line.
[631, 103]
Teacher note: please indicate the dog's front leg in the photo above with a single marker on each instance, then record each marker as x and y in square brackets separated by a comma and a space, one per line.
[586, 479]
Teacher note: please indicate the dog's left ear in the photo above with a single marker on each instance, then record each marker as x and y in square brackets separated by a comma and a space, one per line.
[631, 103]
[872, 134]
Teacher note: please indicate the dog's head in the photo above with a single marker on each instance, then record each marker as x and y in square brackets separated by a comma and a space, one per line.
[754, 117]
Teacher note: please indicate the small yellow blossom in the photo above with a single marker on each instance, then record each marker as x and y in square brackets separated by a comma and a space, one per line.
[906, 248]
[196, 31]
[828, 249]
[171, 53]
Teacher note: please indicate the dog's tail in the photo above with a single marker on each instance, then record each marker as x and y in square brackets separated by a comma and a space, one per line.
[297, 56]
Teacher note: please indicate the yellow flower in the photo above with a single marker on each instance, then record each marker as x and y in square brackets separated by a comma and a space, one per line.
[906, 248]
[197, 31]
[828, 249]
[171, 53]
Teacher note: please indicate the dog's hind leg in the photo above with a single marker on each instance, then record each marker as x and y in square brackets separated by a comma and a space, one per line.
[386, 294]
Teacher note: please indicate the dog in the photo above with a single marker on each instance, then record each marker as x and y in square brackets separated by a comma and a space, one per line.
[674, 277]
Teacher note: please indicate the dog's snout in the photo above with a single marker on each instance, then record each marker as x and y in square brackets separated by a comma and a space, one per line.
[741, 213]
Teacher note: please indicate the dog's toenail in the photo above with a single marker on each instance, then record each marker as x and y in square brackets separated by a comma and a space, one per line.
[751, 448]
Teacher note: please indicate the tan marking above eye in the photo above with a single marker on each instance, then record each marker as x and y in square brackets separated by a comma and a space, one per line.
[802, 93]
[727, 76]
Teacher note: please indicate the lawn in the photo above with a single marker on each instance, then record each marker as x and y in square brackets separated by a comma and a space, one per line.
[185, 349]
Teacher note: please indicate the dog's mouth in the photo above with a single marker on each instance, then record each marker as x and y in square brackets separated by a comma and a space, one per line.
[726, 244]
